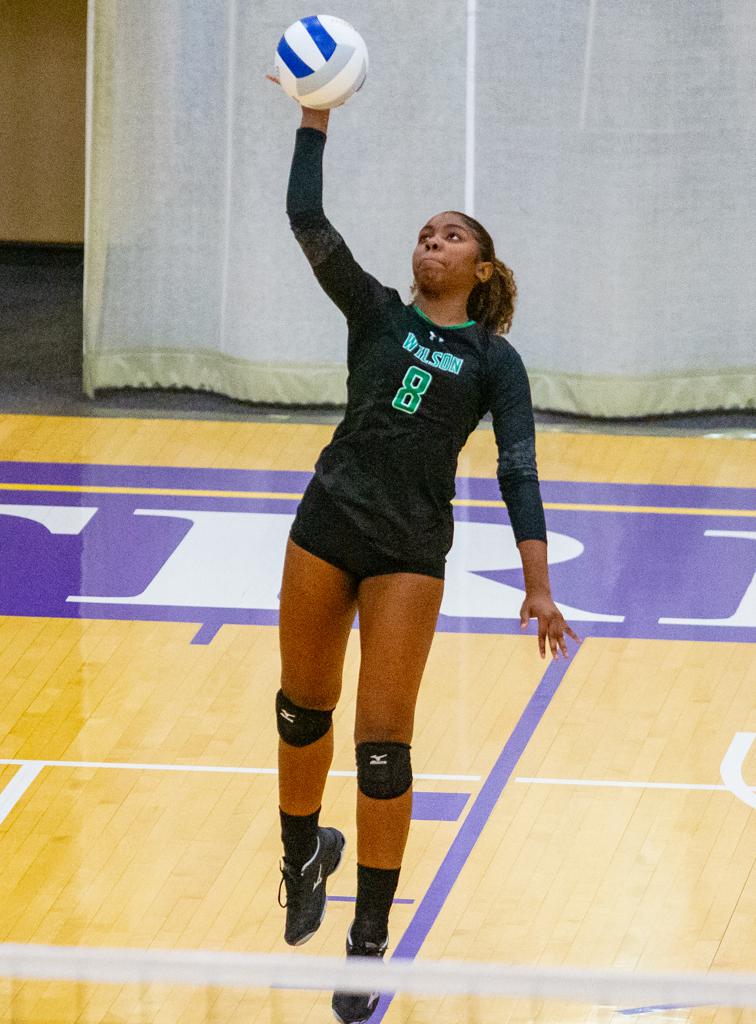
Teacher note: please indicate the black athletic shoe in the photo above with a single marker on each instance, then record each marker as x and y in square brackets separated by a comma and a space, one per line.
[356, 1009]
[305, 887]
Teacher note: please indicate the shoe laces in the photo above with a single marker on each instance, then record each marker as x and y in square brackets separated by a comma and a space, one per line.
[289, 877]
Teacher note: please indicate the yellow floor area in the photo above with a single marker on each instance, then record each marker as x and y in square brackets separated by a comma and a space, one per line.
[613, 844]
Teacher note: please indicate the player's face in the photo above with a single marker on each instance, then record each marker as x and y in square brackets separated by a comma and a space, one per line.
[447, 256]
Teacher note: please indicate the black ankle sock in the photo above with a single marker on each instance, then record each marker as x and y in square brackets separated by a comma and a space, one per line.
[299, 835]
[375, 894]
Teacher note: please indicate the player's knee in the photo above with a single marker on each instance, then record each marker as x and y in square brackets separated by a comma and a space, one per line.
[384, 770]
[299, 726]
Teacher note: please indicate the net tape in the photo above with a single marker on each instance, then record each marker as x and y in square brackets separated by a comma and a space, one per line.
[439, 978]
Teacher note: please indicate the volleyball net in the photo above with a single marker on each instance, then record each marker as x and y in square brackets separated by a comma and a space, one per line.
[46, 984]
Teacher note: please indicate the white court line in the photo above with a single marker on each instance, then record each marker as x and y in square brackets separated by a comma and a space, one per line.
[619, 784]
[216, 769]
[30, 769]
[731, 768]
[17, 786]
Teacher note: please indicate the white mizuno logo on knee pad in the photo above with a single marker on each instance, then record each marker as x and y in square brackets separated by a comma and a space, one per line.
[287, 715]
[378, 758]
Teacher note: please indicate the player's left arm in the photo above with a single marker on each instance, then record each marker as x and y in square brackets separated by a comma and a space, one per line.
[517, 473]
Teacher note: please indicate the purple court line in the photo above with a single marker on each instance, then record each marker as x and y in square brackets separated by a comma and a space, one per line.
[353, 899]
[207, 633]
[662, 1006]
[433, 901]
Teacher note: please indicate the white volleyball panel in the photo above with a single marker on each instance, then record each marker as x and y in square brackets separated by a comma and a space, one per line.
[339, 89]
[305, 47]
[315, 72]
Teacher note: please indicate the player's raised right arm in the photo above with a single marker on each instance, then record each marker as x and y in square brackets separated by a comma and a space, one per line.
[351, 288]
[304, 196]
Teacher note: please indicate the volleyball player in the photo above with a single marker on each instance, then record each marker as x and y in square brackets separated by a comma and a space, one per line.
[372, 533]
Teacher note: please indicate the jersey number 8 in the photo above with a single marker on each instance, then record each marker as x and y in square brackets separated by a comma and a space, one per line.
[416, 382]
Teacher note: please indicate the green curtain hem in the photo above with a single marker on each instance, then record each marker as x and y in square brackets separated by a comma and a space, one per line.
[276, 383]
[644, 396]
[325, 384]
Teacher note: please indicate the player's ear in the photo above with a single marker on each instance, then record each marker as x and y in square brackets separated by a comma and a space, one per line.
[484, 271]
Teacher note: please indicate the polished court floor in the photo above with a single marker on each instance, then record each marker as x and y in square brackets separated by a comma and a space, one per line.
[598, 812]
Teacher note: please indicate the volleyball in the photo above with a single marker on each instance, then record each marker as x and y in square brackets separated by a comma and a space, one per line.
[321, 61]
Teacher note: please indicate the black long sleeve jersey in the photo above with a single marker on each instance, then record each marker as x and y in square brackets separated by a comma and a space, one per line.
[415, 392]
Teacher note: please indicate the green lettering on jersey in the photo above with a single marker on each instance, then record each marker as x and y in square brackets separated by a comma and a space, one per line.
[441, 360]
[414, 385]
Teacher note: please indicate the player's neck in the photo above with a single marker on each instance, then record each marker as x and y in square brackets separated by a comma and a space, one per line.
[446, 310]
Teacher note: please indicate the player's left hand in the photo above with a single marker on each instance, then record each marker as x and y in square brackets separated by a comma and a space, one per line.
[551, 624]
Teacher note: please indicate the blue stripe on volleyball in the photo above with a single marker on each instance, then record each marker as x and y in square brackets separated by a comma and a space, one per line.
[293, 62]
[324, 42]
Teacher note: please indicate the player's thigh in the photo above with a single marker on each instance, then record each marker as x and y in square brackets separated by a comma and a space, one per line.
[317, 609]
[398, 614]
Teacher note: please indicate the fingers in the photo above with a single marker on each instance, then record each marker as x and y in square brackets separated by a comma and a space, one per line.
[553, 636]
[572, 633]
[551, 627]
[556, 637]
[555, 628]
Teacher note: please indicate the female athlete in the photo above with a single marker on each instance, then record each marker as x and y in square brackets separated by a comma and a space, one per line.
[372, 533]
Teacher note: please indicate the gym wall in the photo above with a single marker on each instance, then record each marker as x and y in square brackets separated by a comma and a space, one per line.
[42, 107]
[614, 164]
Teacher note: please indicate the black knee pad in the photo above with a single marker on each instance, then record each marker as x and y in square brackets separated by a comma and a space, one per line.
[300, 726]
[384, 770]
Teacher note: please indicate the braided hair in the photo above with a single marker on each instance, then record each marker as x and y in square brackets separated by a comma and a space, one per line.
[490, 302]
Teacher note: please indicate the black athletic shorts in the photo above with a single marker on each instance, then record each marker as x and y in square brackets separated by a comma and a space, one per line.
[321, 528]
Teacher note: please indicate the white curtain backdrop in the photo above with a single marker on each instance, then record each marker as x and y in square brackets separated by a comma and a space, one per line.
[608, 146]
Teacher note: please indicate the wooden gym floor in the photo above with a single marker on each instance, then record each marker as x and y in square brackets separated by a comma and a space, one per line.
[598, 812]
